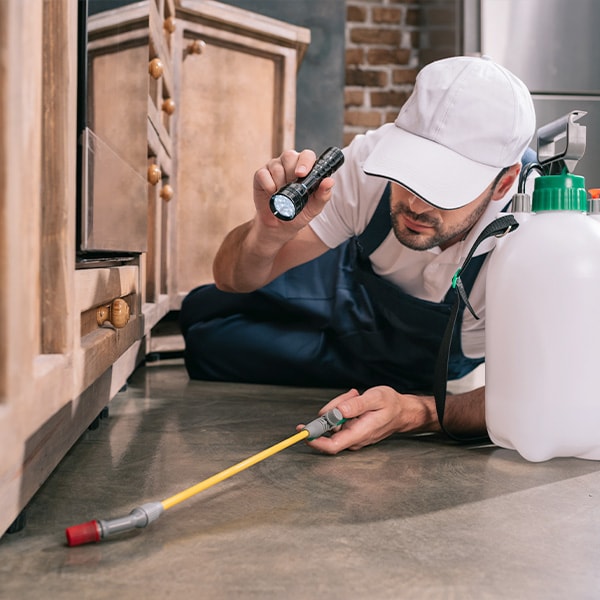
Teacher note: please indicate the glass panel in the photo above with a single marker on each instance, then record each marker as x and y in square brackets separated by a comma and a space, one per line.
[114, 212]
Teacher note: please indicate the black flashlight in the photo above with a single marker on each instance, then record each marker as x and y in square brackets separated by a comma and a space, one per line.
[289, 201]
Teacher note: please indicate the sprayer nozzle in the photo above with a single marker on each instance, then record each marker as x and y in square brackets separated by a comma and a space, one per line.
[324, 423]
[83, 533]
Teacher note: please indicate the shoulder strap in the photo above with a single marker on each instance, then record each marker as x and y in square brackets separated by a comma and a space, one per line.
[498, 228]
[378, 227]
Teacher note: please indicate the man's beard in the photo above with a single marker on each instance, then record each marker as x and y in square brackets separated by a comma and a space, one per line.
[417, 240]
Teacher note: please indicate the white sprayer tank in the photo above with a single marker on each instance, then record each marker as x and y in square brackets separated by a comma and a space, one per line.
[543, 328]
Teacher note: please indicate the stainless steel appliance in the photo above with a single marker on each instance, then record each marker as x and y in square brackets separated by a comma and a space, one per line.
[552, 45]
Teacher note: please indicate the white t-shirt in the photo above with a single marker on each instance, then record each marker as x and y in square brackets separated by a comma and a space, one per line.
[425, 274]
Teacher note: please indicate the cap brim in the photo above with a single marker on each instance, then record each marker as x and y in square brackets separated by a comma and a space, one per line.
[441, 177]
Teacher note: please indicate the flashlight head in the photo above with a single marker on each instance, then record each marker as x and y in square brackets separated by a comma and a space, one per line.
[289, 201]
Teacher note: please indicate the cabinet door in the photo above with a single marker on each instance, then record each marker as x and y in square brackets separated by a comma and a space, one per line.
[160, 193]
[237, 98]
[129, 116]
[162, 107]
[113, 216]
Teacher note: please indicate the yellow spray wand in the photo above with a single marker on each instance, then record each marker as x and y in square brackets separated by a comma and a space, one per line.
[99, 529]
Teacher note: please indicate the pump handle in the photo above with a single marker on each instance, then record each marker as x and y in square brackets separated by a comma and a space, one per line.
[574, 147]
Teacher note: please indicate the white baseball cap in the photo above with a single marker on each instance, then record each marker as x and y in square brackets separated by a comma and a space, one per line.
[466, 119]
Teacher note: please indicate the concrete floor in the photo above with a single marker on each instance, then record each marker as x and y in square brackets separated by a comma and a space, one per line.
[412, 517]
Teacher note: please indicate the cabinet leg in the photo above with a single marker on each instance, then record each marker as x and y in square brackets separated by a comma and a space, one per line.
[18, 524]
[96, 422]
[163, 355]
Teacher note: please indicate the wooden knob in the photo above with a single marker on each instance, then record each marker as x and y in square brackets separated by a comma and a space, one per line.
[195, 47]
[166, 192]
[168, 106]
[117, 313]
[154, 174]
[169, 24]
[102, 315]
[155, 68]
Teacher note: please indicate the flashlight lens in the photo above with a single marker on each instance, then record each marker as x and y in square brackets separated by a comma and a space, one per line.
[284, 206]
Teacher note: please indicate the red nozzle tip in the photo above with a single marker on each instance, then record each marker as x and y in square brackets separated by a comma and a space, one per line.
[83, 533]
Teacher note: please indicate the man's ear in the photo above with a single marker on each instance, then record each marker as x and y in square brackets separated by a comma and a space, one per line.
[506, 182]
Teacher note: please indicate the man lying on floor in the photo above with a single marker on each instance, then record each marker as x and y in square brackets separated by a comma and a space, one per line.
[356, 291]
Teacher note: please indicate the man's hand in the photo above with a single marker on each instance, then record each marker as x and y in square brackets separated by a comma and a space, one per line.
[280, 171]
[381, 411]
[256, 252]
[373, 416]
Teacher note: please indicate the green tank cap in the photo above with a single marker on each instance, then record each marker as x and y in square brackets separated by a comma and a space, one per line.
[559, 192]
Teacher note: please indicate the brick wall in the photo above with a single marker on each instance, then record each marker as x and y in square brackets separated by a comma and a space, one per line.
[387, 41]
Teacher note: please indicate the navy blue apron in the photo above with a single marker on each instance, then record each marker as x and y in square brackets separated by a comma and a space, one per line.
[331, 322]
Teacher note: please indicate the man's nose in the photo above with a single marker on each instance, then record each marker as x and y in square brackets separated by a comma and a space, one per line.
[417, 205]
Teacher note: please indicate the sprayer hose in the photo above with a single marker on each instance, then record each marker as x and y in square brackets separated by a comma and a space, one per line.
[237, 468]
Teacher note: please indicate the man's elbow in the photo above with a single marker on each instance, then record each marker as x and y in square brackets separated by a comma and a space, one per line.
[222, 283]
[231, 285]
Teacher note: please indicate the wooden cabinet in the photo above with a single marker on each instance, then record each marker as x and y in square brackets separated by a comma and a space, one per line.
[67, 344]
[237, 105]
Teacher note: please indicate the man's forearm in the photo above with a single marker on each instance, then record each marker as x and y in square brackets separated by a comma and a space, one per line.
[241, 264]
[464, 413]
